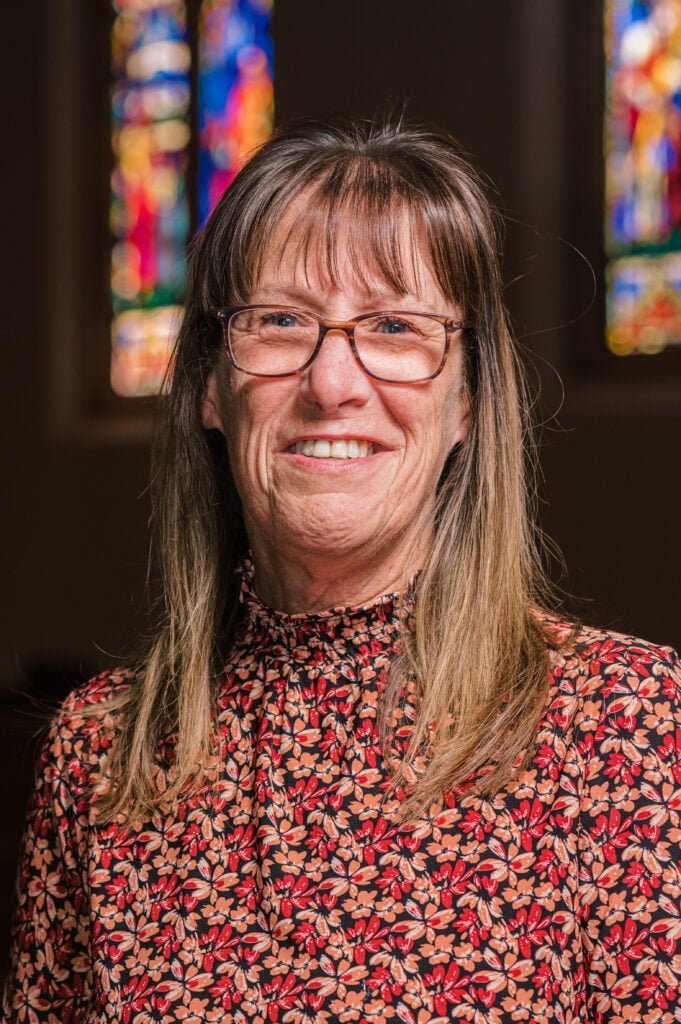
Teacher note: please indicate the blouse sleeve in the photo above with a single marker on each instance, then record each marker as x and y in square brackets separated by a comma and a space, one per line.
[630, 842]
[49, 978]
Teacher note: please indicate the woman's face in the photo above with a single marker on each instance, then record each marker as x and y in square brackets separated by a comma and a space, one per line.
[299, 505]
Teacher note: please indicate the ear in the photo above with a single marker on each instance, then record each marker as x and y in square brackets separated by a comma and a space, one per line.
[210, 406]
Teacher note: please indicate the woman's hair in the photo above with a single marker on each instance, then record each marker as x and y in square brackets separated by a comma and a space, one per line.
[478, 654]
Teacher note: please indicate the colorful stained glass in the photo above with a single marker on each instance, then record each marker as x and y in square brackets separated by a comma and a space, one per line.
[142, 342]
[644, 294]
[643, 174]
[151, 104]
[235, 90]
[149, 209]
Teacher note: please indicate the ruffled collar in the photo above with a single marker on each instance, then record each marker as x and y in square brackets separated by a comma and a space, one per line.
[337, 633]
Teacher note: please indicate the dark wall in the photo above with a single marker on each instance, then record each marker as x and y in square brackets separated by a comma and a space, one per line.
[73, 511]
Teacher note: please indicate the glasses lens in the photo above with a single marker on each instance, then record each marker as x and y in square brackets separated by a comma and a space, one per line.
[270, 341]
[401, 347]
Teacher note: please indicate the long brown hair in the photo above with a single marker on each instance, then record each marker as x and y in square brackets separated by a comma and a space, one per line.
[478, 652]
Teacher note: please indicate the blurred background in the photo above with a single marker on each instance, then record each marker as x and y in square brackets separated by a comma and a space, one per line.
[126, 120]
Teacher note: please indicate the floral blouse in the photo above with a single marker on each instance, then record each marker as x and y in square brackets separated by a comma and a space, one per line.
[280, 892]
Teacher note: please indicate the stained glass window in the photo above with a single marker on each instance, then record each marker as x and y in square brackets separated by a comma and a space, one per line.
[235, 90]
[643, 175]
[157, 131]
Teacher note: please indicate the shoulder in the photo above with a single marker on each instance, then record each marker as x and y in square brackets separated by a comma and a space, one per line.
[614, 690]
[97, 692]
[604, 661]
[81, 730]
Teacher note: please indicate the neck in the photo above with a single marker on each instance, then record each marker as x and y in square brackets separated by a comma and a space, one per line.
[301, 580]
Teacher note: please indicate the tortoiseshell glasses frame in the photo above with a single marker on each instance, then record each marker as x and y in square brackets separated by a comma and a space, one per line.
[451, 326]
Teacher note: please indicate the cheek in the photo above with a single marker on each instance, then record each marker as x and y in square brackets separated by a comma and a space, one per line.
[454, 419]
[252, 411]
[431, 421]
[238, 409]
[237, 418]
[452, 410]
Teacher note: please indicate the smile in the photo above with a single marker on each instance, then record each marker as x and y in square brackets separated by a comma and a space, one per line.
[341, 448]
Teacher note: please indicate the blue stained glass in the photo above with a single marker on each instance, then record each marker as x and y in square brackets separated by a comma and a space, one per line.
[235, 90]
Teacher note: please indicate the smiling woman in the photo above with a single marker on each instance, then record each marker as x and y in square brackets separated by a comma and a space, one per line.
[363, 771]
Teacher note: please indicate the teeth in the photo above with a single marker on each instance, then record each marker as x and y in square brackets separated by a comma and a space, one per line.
[323, 449]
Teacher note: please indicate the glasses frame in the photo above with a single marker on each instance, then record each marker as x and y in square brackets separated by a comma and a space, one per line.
[451, 324]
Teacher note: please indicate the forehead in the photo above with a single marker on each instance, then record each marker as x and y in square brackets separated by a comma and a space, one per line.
[350, 250]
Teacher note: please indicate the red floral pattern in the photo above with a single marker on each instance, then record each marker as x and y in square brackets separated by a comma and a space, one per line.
[284, 894]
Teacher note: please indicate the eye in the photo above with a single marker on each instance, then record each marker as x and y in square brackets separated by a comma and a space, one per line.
[393, 325]
[279, 318]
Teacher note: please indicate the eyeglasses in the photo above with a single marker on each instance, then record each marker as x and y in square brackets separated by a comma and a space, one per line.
[397, 347]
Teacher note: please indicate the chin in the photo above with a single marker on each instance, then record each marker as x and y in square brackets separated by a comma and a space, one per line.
[322, 526]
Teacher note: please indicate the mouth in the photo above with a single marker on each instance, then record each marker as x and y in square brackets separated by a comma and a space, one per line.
[334, 449]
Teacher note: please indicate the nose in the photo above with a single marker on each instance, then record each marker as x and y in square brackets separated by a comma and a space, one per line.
[335, 377]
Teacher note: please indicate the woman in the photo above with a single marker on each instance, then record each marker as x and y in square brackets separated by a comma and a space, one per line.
[364, 771]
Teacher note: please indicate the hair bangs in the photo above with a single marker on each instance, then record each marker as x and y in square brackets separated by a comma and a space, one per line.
[356, 210]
